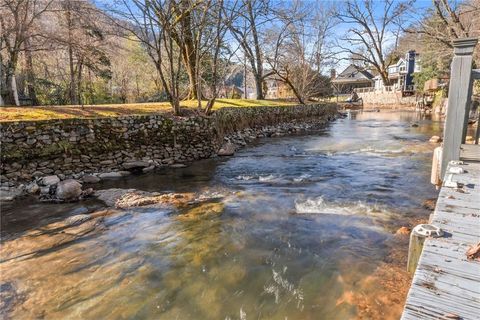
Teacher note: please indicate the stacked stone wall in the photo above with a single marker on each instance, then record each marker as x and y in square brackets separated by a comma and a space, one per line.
[32, 149]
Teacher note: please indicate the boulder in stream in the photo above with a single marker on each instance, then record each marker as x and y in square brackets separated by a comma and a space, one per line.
[113, 174]
[33, 188]
[135, 165]
[49, 180]
[228, 149]
[69, 189]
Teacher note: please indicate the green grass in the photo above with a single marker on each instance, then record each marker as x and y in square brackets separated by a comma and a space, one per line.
[113, 110]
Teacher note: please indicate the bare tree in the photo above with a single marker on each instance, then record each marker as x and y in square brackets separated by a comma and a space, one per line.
[369, 31]
[245, 20]
[152, 23]
[81, 30]
[446, 21]
[218, 31]
[18, 19]
[299, 50]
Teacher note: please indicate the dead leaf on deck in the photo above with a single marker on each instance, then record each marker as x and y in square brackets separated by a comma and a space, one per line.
[473, 253]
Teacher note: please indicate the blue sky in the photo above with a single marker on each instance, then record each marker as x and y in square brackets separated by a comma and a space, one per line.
[340, 30]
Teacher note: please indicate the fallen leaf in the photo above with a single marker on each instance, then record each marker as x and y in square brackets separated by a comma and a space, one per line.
[473, 252]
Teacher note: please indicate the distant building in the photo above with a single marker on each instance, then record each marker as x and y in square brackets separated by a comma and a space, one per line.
[353, 77]
[401, 74]
[277, 89]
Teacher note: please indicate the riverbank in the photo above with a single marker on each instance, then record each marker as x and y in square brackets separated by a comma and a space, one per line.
[37, 155]
[37, 113]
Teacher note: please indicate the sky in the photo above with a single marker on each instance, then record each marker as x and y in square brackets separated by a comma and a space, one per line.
[341, 29]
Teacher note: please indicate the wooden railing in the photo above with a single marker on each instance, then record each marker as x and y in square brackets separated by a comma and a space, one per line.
[373, 89]
[459, 100]
[384, 89]
[364, 90]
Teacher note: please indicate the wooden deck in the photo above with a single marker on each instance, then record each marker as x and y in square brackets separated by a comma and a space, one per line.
[446, 285]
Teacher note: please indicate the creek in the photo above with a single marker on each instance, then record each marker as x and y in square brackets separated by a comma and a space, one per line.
[299, 227]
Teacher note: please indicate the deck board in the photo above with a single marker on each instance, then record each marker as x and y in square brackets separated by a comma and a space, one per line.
[445, 282]
[470, 152]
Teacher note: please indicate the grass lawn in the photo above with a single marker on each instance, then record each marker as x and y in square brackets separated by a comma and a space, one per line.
[112, 110]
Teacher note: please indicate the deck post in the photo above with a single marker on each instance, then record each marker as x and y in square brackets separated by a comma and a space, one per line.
[414, 251]
[459, 95]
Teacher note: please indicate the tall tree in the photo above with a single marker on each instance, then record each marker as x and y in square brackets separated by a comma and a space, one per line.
[152, 23]
[370, 26]
[299, 48]
[246, 19]
[446, 21]
[18, 22]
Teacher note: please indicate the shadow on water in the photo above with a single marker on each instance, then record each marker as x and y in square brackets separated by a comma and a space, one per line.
[301, 227]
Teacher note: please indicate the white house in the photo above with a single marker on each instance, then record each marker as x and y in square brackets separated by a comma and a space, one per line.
[401, 74]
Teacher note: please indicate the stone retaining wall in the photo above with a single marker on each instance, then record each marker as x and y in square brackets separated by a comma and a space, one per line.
[31, 149]
[393, 100]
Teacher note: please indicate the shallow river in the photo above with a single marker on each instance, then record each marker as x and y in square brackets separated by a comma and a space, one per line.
[298, 227]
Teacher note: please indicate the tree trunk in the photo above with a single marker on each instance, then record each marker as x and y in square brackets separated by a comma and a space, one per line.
[384, 75]
[72, 92]
[258, 54]
[2, 83]
[30, 75]
[295, 91]
[188, 49]
[79, 83]
[11, 95]
[15, 90]
[259, 86]
[192, 78]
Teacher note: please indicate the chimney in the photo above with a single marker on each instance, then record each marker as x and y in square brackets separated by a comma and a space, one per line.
[333, 74]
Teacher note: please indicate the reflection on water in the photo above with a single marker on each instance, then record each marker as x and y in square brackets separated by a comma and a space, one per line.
[300, 228]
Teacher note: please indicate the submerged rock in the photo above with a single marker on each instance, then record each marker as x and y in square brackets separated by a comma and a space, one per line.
[10, 194]
[403, 231]
[202, 210]
[435, 139]
[69, 189]
[8, 298]
[77, 219]
[178, 165]
[110, 175]
[128, 198]
[430, 204]
[90, 179]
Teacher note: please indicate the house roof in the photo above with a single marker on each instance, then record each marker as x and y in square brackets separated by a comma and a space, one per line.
[398, 63]
[352, 74]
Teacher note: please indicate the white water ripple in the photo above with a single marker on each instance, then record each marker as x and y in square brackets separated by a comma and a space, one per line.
[320, 206]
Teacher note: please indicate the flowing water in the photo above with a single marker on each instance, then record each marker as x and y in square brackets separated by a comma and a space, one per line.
[297, 227]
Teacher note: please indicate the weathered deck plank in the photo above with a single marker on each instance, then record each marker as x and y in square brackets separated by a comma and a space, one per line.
[445, 283]
[470, 152]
